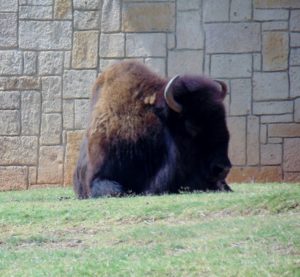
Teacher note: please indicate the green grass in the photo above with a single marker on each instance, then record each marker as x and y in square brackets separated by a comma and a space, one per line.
[254, 231]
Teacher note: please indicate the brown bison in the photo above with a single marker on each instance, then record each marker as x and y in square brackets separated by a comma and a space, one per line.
[148, 135]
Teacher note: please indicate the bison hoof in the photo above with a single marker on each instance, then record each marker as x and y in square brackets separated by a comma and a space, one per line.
[105, 188]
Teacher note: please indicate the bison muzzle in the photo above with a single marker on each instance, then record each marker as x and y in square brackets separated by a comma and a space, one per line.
[150, 135]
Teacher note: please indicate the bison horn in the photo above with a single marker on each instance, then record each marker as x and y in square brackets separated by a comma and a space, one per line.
[169, 97]
[224, 88]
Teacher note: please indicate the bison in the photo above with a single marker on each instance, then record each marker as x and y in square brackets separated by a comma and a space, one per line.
[150, 135]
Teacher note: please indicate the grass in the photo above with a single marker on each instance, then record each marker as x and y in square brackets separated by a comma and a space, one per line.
[254, 231]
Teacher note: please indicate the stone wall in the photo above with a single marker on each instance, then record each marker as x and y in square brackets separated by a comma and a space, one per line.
[52, 50]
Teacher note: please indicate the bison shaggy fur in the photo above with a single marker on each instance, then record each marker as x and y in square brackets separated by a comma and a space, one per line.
[149, 135]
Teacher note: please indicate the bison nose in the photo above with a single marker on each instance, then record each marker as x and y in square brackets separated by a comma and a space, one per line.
[220, 170]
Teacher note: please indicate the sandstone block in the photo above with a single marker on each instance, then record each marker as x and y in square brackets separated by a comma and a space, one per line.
[240, 93]
[291, 154]
[8, 30]
[297, 109]
[171, 41]
[67, 60]
[11, 62]
[10, 122]
[183, 5]
[237, 145]
[63, 9]
[270, 14]
[40, 2]
[292, 177]
[45, 35]
[187, 37]
[284, 130]
[215, 10]
[275, 51]
[295, 20]
[104, 63]
[158, 65]
[263, 133]
[9, 100]
[19, 83]
[18, 150]
[87, 20]
[30, 58]
[240, 10]
[253, 140]
[31, 112]
[87, 5]
[294, 81]
[50, 63]
[219, 37]
[185, 61]
[72, 153]
[111, 16]
[255, 174]
[270, 86]
[257, 62]
[51, 92]
[32, 175]
[51, 129]
[295, 39]
[273, 4]
[13, 177]
[273, 107]
[146, 45]
[81, 113]
[271, 154]
[148, 17]
[112, 45]
[275, 26]
[84, 54]
[295, 56]
[35, 12]
[68, 114]
[78, 83]
[235, 65]
[50, 170]
[276, 118]
[9, 6]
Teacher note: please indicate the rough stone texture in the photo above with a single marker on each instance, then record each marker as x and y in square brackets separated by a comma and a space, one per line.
[240, 10]
[158, 65]
[8, 30]
[62, 9]
[51, 129]
[78, 83]
[148, 17]
[270, 86]
[226, 66]
[295, 56]
[297, 109]
[51, 94]
[35, 12]
[265, 15]
[295, 40]
[13, 177]
[187, 37]
[295, 81]
[275, 26]
[187, 61]
[111, 16]
[9, 6]
[87, 5]
[272, 4]
[50, 169]
[215, 10]
[84, 54]
[30, 58]
[68, 114]
[146, 45]
[19, 83]
[237, 146]
[72, 152]
[272, 107]
[292, 177]
[9, 100]
[291, 154]
[219, 37]
[240, 93]
[18, 150]
[284, 130]
[11, 62]
[271, 154]
[45, 35]
[183, 5]
[81, 113]
[295, 20]
[86, 20]
[276, 118]
[50, 63]
[112, 45]
[275, 51]
[10, 123]
[253, 140]
[32, 175]
[31, 110]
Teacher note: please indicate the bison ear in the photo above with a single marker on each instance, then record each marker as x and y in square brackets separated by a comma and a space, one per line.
[223, 89]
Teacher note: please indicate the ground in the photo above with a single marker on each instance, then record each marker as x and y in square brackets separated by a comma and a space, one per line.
[254, 231]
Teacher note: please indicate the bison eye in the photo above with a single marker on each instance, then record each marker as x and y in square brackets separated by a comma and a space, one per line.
[192, 129]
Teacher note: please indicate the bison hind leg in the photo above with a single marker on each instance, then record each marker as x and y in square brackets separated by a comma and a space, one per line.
[105, 188]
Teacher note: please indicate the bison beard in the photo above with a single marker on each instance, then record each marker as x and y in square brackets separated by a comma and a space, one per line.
[148, 135]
